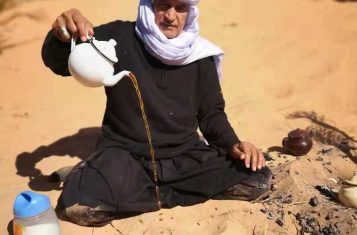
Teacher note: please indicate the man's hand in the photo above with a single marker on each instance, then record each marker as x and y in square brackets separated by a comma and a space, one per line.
[253, 157]
[69, 22]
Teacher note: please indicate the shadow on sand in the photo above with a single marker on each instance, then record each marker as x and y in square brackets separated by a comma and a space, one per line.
[10, 227]
[325, 133]
[346, 1]
[80, 145]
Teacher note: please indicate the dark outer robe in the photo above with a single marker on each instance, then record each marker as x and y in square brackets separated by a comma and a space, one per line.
[177, 99]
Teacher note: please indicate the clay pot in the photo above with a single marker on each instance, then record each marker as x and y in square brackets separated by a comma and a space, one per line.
[348, 193]
[298, 142]
[348, 196]
[353, 180]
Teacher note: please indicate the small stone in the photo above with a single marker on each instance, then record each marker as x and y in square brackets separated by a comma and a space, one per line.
[329, 216]
[161, 219]
[329, 231]
[297, 173]
[280, 222]
[270, 216]
[298, 216]
[263, 210]
[267, 157]
[324, 151]
[319, 159]
[314, 201]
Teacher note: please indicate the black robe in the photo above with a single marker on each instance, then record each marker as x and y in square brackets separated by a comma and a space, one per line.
[178, 100]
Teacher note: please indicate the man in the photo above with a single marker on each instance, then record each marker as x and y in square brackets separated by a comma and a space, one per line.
[178, 75]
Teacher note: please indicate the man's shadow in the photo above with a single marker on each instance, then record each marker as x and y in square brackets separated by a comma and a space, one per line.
[80, 145]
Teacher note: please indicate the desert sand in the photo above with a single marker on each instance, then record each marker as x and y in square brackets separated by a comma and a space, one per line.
[288, 64]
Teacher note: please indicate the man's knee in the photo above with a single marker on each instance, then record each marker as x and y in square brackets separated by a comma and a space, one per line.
[84, 215]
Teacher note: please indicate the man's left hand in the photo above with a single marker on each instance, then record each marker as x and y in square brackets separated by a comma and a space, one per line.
[253, 158]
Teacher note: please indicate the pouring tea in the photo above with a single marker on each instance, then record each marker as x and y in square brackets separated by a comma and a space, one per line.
[92, 64]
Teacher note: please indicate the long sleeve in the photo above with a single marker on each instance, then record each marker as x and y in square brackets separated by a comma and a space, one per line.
[55, 54]
[213, 121]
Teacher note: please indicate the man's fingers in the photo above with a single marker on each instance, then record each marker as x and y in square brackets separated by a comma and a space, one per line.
[247, 159]
[89, 28]
[260, 160]
[236, 153]
[69, 23]
[254, 160]
[59, 29]
[84, 27]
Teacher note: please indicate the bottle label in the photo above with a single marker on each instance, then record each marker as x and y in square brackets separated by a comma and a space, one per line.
[18, 229]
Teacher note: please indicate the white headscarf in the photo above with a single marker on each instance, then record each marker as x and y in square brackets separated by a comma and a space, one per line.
[186, 48]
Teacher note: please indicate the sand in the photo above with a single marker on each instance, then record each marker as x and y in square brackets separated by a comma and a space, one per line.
[288, 64]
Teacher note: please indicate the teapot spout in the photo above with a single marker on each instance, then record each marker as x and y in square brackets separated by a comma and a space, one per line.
[111, 81]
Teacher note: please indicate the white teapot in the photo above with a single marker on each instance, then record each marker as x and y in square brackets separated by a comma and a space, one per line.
[92, 64]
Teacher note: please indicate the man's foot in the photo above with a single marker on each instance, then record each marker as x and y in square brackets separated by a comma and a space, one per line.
[255, 185]
[85, 216]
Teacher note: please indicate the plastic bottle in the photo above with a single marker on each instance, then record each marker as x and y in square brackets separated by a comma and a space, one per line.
[34, 215]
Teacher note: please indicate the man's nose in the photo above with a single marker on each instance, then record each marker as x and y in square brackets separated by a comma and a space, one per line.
[170, 14]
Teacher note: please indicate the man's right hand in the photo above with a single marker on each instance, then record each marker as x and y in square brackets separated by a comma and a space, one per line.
[69, 22]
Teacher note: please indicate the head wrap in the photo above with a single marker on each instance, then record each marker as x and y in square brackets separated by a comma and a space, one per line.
[191, 2]
[186, 48]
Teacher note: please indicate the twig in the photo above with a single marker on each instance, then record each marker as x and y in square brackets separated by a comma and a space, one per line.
[254, 229]
[261, 197]
[297, 229]
[307, 184]
[297, 203]
[278, 231]
[116, 228]
[266, 228]
[93, 231]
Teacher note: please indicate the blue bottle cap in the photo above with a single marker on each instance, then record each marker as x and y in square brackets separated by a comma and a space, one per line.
[28, 204]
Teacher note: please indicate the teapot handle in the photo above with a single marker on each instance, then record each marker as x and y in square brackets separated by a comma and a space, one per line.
[73, 41]
[74, 38]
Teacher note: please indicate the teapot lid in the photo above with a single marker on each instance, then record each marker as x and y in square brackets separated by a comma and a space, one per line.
[105, 48]
[298, 133]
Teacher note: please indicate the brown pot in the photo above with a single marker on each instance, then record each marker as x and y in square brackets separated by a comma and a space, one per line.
[298, 142]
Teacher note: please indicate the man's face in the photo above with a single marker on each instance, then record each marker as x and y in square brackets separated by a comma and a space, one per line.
[170, 16]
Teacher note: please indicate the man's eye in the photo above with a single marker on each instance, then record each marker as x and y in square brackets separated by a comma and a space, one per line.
[181, 8]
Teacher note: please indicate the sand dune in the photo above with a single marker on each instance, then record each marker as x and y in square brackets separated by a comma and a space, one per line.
[288, 64]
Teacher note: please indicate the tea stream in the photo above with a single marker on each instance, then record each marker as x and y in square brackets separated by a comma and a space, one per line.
[148, 134]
